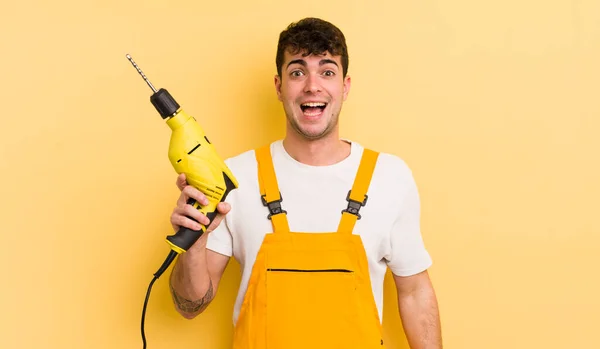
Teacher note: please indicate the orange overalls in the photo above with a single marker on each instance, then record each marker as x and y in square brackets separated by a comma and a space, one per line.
[310, 290]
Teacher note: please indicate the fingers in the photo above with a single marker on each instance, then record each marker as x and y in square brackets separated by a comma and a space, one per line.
[181, 217]
[181, 181]
[178, 221]
[222, 208]
[190, 192]
[195, 194]
[184, 215]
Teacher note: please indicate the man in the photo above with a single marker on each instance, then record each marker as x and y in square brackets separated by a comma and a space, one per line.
[314, 224]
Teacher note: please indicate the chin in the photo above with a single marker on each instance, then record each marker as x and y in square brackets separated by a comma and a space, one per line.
[311, 130]
[314, 134]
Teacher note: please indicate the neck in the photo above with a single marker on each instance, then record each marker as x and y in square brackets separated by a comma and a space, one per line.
[320, 152]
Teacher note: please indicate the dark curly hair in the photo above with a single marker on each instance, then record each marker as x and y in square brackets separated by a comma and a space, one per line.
[313, 36]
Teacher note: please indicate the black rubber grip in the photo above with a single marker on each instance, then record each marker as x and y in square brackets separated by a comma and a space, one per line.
[185, 237]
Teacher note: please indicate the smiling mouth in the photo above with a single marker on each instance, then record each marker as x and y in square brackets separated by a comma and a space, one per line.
[313, 109]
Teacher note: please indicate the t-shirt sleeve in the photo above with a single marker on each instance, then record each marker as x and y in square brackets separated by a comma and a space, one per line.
[408, 254]
[219, 240]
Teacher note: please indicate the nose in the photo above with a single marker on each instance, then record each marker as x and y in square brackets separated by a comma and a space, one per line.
[312, 84]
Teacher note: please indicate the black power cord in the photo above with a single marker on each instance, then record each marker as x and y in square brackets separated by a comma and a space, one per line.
[160, 271]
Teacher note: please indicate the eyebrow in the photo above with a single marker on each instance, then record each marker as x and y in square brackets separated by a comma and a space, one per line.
[321, 62]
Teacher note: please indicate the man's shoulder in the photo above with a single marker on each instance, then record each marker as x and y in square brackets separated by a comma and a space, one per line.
[248, 156]
[241, 159]
[390, 163]
[393, 162]
[245, 161]
[242, 164]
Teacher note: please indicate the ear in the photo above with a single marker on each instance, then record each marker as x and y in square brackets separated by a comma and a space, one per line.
[277, 81]
[347, 83]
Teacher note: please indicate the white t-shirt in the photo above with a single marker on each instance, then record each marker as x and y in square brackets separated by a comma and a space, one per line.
[314, 197]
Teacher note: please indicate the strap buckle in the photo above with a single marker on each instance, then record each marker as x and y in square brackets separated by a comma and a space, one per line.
[274, 206]
[354, 206]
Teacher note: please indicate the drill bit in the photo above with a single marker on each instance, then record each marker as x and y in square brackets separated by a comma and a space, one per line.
[141, 73]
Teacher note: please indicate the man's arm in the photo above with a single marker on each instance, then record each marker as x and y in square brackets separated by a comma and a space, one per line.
[194, 280]
[197, 272]
[419, 312]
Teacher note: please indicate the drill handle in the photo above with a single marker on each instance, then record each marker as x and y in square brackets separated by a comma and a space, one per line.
[186, 237]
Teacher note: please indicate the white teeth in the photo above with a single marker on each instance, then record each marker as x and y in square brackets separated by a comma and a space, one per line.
[312, 105]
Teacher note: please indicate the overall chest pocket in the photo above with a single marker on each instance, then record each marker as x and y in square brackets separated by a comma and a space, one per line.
[311, 308]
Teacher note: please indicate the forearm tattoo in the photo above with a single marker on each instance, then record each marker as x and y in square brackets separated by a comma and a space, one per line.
[189, 306]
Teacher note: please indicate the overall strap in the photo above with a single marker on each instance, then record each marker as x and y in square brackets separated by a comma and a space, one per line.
[357, 197]
[269, 190]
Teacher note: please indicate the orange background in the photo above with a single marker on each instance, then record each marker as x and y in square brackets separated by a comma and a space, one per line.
[494, 105]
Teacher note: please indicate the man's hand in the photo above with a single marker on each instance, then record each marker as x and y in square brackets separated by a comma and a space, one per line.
[419, 312]
[182, 211]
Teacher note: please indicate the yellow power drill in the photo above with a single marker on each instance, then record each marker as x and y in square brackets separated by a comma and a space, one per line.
[190, 152]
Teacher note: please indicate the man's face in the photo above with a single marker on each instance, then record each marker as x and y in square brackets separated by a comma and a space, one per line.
[312, 90]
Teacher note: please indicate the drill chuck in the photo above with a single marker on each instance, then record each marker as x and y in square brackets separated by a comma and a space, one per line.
[164, 103]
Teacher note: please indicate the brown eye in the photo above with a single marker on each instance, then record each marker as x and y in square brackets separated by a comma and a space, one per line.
[329, 73]
[296, 73]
